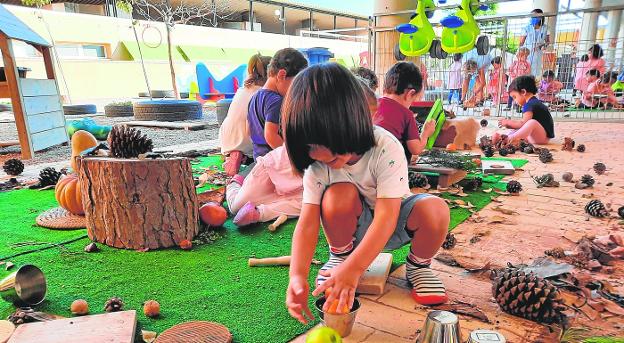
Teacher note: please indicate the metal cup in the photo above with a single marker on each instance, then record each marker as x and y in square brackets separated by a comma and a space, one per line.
[26, 287]
[440, 327]
[341, 322]
[486, 336]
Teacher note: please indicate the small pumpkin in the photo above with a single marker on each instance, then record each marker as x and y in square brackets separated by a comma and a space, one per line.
[68, 195]
[81, 140]
[451, 147]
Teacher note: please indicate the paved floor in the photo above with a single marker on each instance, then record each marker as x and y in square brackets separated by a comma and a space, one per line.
[546, 218]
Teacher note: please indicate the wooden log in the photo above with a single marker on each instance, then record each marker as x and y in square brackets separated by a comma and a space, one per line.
[139, 204]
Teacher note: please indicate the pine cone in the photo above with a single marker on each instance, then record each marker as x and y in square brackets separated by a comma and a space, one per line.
[503, 151]
[417, 180]
[484, 123]
[48, 177]
[567, 176]
[545, 156]
[600, 168]
[555, 252]
[488, 151]
[529, 149]
[588, 180]
[621, 212]
[127, 142]
[485, 141]
[568, 144]
[528, 296]
[580, 148]
[514, 187]
[546, 180]
[596, 208]
[470, 185]
[113, 304]
[13, 167]
[523, 144]
[511, 149]
[449, 242]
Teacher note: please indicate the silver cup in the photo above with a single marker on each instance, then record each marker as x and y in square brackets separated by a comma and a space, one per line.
[25, 287]
[440, 327]
[342, 323]
[486, 336]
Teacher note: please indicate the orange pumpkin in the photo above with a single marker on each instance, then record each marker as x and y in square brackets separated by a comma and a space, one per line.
[81, 140]
[68, 195]
[451, 147]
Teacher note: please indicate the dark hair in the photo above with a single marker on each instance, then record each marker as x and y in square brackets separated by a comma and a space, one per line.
[593, 72]
[401, 77]
[368, 92]
[596, 51]
[288, 59]
[585, 58]
[539, 11]
[526, 82]
[548, 73]
[325, 106]
[497, 60]
[368, 75]
[257, 70]
[457, 57]
[608, 77]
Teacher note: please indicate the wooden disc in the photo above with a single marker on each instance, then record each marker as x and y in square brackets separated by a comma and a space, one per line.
[6, 330]
[196, 332]
[497, 166]
[59, 218]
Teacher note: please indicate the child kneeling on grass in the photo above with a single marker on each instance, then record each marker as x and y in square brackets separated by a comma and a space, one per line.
[536, 124]
[355, 183]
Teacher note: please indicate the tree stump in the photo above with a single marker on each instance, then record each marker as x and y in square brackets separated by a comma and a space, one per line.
[139, 204]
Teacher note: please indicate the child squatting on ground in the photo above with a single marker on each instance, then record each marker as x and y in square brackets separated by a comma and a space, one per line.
[536, 125]
[600, 94]
[355, 183]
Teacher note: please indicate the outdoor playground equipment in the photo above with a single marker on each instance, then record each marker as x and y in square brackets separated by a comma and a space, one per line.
[417, 36]
[87, 124]
[212, 89]
[461, 32]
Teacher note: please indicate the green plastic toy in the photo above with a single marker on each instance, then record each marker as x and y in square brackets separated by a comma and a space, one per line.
[437, 114]
[417, 35]
[99, 131]
[460, 32]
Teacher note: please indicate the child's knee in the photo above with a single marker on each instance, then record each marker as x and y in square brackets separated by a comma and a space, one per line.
[340, 199]
[430, 214]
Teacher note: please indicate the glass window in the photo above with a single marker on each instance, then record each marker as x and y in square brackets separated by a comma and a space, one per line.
[81, 50]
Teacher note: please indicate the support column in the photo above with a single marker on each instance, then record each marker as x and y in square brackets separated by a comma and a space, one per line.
[589, 27]
[619, 55]
[549, 6]
[613, 28]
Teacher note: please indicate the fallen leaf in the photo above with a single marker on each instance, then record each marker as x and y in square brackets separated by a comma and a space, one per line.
[459, 202]
[612, 307]
[215, 195]
[489, 190]
[466, 309]
[9, 265]
[497, 219]
[504, 210]
[470, 204]
[546, 267]
[203, 179]
[148, 336]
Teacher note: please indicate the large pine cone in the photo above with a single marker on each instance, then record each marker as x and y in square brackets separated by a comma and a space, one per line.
[127, 142]
[528, 296]
[48, 176]
[13, 167]
[588, 180]
[600, 168]
[417, 180]
[596, 208]
[514, 187]
[545, 156]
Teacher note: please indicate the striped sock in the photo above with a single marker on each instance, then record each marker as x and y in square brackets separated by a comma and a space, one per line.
[427, 288]
[334, 260]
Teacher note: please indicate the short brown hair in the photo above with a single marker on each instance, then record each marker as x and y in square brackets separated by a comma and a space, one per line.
[288, 59]
[368, 75]
[401, 77]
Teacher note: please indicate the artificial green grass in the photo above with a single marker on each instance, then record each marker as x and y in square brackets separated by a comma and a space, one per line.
[211, 282]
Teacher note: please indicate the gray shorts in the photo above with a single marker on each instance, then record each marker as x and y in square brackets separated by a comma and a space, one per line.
[401, 235]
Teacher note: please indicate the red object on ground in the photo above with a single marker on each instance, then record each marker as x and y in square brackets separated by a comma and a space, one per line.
[212, 214]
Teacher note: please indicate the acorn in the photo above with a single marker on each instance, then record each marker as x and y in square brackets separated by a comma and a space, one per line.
[79, 307]
[186, 245]
[567, 177]
[151, 308]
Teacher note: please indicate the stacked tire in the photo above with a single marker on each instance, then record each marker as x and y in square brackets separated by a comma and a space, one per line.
[167, 110]
[72, 110]
[119, 110]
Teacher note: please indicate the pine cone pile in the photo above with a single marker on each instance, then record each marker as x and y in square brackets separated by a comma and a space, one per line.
[545, 156]
[528, 296]
[113, 304]
[600, 168]
[596, 208]
[417, 180]
[588, 180]
[514, 187]
[127, 142]
[488, 151]
[13, 167]
[546, 180]
[580, 148]
[48, 177]
[449, 242]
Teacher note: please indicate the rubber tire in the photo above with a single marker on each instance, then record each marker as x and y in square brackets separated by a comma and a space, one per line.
[162, 94]
[184, 95]
[440, 52]
[70, 110]
[436, 46]
[118, 110]
[483, 45]
[167, 110]
[398, 55]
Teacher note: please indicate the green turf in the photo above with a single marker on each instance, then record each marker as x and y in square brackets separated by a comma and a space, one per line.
[211, 282]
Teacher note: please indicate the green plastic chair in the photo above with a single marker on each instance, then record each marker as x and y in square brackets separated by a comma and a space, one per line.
[194, 91]
[417, 35]
[460, 32]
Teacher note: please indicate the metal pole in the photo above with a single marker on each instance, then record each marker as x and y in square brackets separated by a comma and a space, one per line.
[251, 16]
[501, 76]
[283, 20]
[334, 21]
[311, 26]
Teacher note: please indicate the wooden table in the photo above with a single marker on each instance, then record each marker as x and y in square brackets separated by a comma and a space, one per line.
[448, 176]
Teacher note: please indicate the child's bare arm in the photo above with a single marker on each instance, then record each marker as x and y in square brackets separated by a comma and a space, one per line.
[271, 135]
[516, 124]
[304, 240]
[416, 146]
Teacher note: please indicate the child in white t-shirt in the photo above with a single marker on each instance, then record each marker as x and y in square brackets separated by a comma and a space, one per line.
[355, 182]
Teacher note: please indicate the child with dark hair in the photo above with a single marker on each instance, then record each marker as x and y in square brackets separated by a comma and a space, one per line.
[355, 183]
[402, 86]
[519, 67]
[549, 88]
[368, 75]
[579, 77]
[591, 76]
[369, 94]
[536, 125]
[264, 108]
[493, 87]
[600, 94]
[455, 78]
[596, 61]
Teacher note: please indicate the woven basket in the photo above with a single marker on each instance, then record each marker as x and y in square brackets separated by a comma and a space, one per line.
[59, 218]
[196, 332]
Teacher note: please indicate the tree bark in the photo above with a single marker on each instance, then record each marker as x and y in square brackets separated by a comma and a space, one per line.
[171, 67]
[139, 204]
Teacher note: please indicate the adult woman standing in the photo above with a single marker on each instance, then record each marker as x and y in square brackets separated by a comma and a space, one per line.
[596, 61]
[234, 132]
[535, 37]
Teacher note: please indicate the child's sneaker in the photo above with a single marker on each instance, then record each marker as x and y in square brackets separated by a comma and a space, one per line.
[247, 215]
[427, 288]
[334, 261]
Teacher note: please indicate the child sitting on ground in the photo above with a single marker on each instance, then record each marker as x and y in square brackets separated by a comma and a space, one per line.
[549, 88]
[455, 79]
[494, 82]
[591, 76]
[355, 183]
[403, 85]
[519, 67]
[536, 125]
[579, 77]
[600, 94]
[264, 107]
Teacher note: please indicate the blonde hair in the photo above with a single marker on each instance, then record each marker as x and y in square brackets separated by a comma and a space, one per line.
[257, 70]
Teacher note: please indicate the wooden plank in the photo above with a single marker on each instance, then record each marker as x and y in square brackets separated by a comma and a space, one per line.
[191, 126]
[115, 327]
[46, 121]
[38, 87]
[48, 138]
[41, 104]
[374, 279]
[49, 64]
[10, 70]
[5, 92]
[4, 144]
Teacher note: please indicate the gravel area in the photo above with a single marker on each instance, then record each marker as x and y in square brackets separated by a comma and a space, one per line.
[160, 137]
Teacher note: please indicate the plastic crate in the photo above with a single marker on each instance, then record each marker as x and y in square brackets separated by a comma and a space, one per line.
[317, 55]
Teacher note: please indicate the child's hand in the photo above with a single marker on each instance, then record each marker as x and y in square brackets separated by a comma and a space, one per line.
[501, 122]
[297, 300]
[428, 128]
[343, 283]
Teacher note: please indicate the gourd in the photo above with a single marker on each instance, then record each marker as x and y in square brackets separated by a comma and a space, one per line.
[68, 195]
[81, 140]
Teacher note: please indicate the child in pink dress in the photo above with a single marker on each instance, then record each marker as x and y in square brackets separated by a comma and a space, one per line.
[549, 88]
[455, 78]
[600, 94]
[494, 82]
[579, 77]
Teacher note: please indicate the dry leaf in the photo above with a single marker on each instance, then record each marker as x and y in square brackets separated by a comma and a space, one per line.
[489, 190]
[467, 309]
[459, 202]
[148, 336]
[463, 195]
[203, 179]
[216, 195]
[9, 265]
[470, 204]
[612, 307]
[497, 219]
[504, 210]
[496, 200]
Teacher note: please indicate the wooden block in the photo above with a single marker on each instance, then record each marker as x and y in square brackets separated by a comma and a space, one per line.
[501, 167]
[374, 279]
[115, 327]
